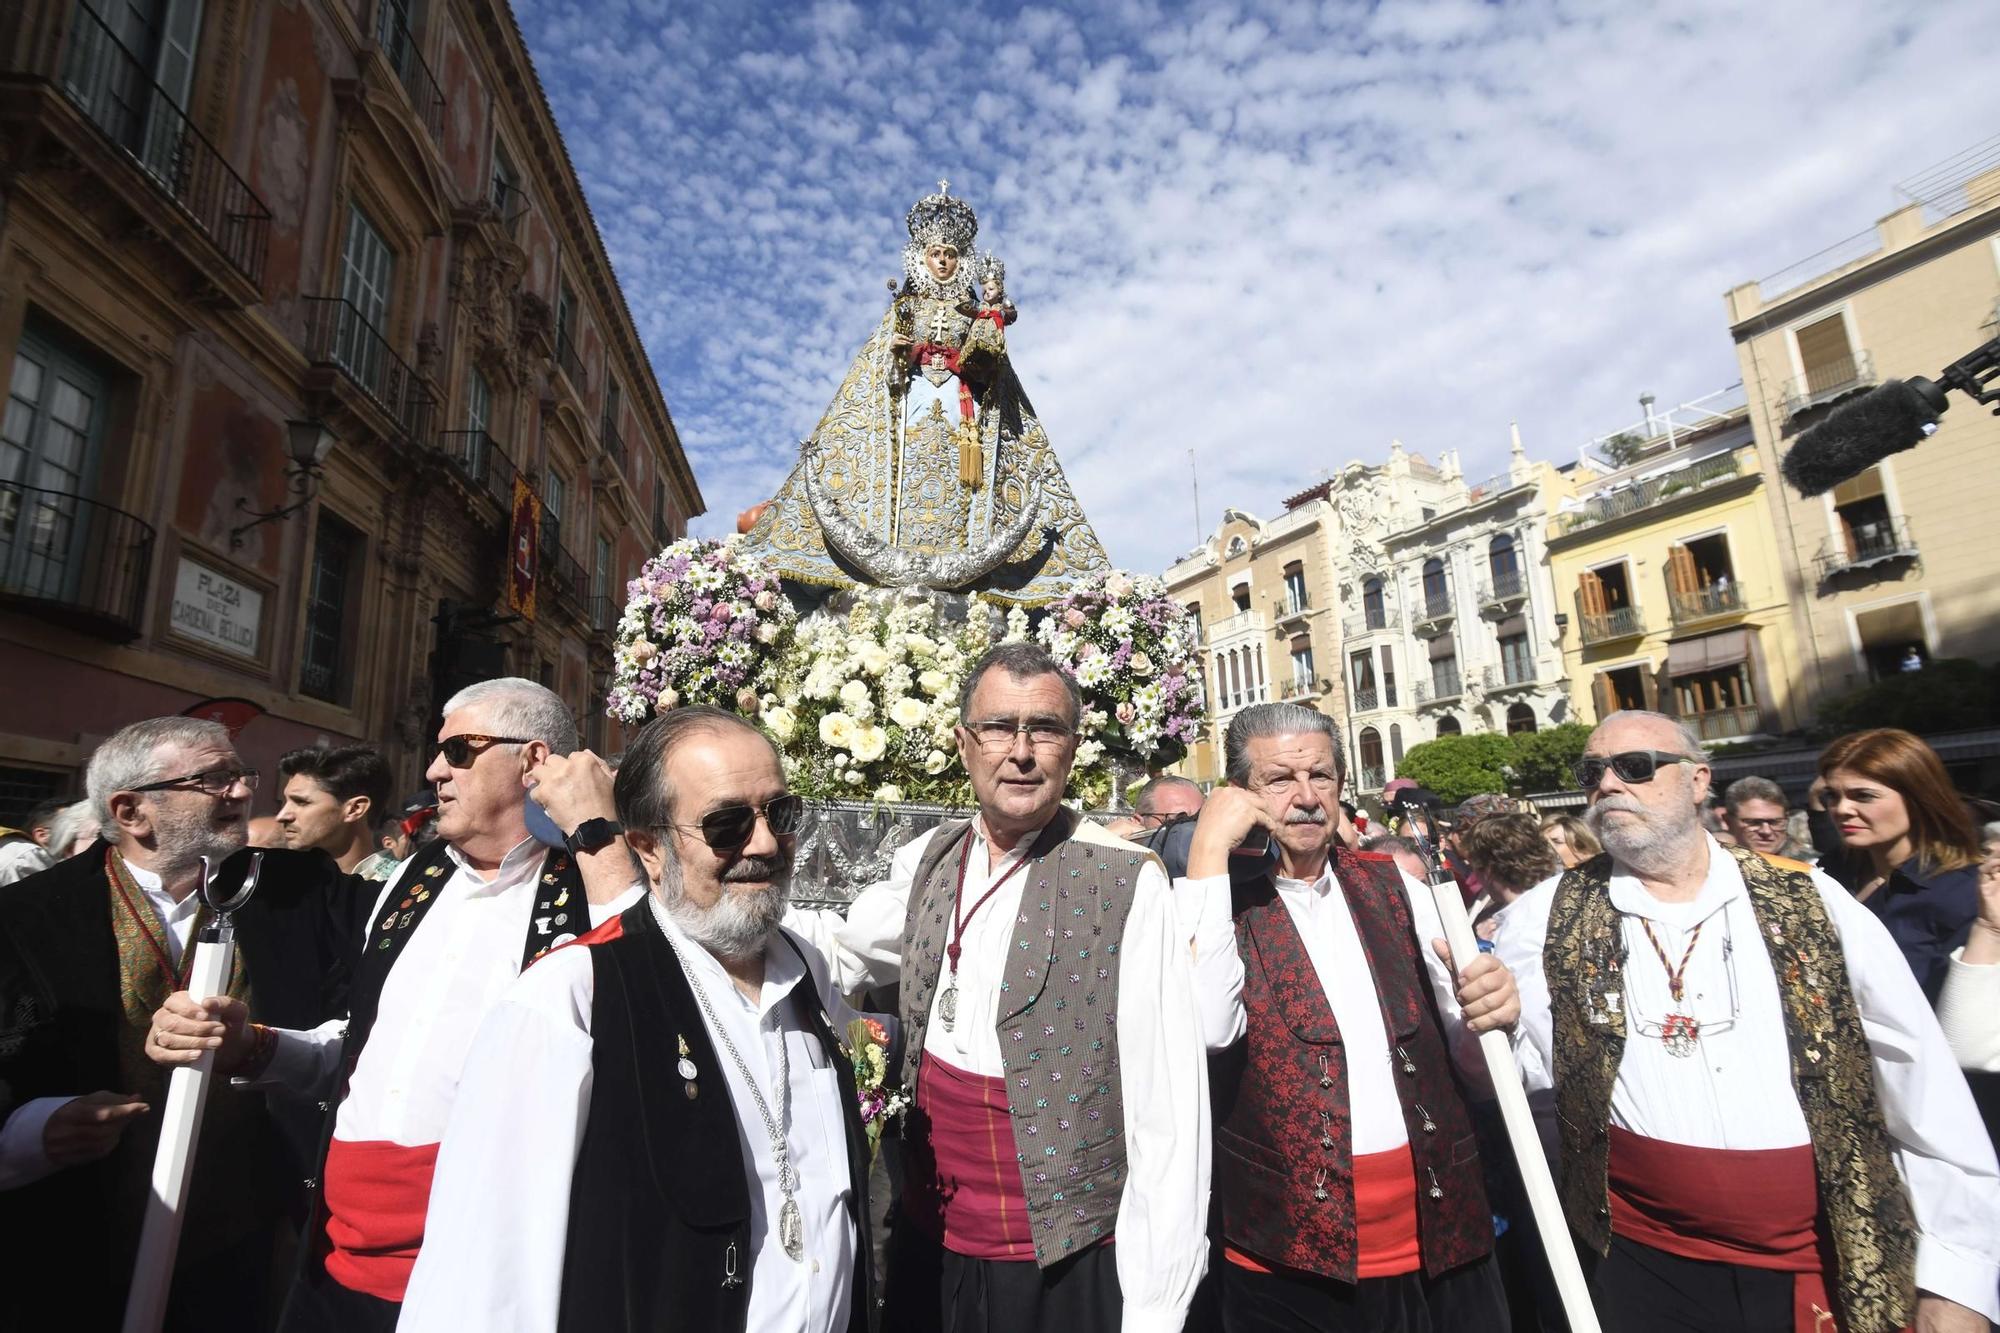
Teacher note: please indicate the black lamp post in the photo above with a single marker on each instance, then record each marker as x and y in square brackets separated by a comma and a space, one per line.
[307, 443]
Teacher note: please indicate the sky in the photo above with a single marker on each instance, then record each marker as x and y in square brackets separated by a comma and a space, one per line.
[1276, 235]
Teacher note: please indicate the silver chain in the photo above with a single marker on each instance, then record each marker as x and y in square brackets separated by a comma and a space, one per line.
[773, 1125]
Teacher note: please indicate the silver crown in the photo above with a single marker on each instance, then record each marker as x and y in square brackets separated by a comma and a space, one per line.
[939, 219]
[988, 265]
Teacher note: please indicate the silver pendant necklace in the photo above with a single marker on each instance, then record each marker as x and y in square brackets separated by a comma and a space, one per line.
[791, 1222]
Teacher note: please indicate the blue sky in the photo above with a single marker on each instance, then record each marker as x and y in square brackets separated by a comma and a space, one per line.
[1278, 235]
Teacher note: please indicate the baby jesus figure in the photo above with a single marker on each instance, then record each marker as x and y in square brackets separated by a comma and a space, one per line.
[985, 349]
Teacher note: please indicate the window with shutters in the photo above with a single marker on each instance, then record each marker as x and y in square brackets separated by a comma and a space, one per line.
[1445, 683]
[555, 499]
[1374, 611]
[1830, 365]
[1503, 566]
[1295, 588]
[58, 404]
[1302, 665]
[1701, 579]
[600, 584]
[1361, 675]
[1604, 604]
[1437, 589]
[1517, 660]
[660, 513]
[1388, 677]
[326, 654]
[1395, 742]
[508, 200]
[1370, 749]
[1868, 531]
[1620, 688]
[367, 275]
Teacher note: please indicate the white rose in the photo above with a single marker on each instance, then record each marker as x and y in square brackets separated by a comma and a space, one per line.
[854, 692]
[767, 633]
[920, 646]
[669, 698]
[781, 723]
[1139, 664]
[907, 712]
[1117, 585]
[933, 682]
[874, 659]
[852, 777]
[837, 729]
[888, 791]
[936, 762]
[870, 743]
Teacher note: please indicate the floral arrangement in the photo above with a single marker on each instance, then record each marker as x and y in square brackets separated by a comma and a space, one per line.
[867, 1050]
[1135, 654]
[863, 701]
[704, 623]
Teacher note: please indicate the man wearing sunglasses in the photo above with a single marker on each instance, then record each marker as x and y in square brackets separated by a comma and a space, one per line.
[1758, 1117]
[1052, 1049]
[89, 950]
[693, 1062]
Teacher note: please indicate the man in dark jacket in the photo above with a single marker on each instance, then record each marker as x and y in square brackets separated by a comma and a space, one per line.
[88, 949]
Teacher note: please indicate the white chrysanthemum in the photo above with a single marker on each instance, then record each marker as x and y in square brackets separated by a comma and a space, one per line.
[1092, 670]
[1089, 752]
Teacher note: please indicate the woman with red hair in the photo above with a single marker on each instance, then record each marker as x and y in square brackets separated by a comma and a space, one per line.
[1890, 797]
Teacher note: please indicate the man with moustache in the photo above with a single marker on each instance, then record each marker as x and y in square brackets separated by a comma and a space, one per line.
[686, 1072]
[1345, 1163]
[442, 942]
[88, 951]
[1761, 1125]
[1052, 1046]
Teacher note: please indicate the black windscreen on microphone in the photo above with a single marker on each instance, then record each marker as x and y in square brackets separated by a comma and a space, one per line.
[1855, 436]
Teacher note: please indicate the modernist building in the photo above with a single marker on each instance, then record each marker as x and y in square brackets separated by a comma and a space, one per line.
[290, 296]
[1902, 556]
[1265, 595]
[1675, 590]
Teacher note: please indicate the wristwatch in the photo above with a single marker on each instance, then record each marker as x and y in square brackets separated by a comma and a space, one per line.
[592, 834]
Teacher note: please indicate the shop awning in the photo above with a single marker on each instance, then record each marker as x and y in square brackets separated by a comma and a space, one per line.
[1710, 652]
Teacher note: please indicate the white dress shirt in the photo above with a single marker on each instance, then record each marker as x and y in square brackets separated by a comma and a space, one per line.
[1325, 923]
[1735, 1090]
[22, 1160]
[1969, 1011]
[492, 1257]
[1162, 1246]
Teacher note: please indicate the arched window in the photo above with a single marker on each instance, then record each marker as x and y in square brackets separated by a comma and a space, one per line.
[1371, 759]
[1375, 613]
[1503, 560]
[1437, 596]
[1520, 718]
[1395, 742]
[1448, 726]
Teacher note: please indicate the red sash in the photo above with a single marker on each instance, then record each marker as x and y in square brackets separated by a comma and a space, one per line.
[966, 1182]
[1385, 1218]
[1754, 1207]
[376, 1197]
[922, 352]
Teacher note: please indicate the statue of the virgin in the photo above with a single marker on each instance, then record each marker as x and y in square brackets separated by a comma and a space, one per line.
[929, 468]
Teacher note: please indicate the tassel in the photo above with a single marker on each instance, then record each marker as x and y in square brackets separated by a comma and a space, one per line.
[971, 460]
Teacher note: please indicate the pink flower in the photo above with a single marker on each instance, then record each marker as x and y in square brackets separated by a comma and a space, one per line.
[1073, 618]
[1127, 713]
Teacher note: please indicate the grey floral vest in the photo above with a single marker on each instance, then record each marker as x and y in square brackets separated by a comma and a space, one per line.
[1057, 1021]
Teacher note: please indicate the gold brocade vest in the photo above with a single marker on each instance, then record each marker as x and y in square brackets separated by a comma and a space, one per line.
[1861, 1196]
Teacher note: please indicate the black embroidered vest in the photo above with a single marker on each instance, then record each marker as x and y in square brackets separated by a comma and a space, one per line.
[1861, 1195]
[1281, 1093]
[659, 1208]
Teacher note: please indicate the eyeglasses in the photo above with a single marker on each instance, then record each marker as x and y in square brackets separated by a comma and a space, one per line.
[998, 733]
[1631, 766]
[459, 751]
[728, 828]
[1761, 823]
[214, 781]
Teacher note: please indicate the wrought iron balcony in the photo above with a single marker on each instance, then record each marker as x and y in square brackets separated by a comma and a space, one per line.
[1371, 622]
[1827, 383]
[135, 138]
[604, 612]
[1503, 590]
[563, 575]
[1619, 623]
[1613, 505]
[483, 463]
[72, 560]
[1293, 606]
[1509, 674]
[1297, 688]
[1366, 700]
[399, 47]
[1442, 687]
[1723, 724]
[614, 445]
[1431, 617]
[339, 337]
[1724, 598]
[1872, 543]
[566, 357]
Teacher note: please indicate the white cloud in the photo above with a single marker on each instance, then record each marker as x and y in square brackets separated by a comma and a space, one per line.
[1276, 234]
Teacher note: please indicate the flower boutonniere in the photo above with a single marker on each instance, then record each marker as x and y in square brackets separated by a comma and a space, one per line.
[868, 1050]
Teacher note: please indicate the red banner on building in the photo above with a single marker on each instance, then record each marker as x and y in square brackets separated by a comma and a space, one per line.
[524, 550]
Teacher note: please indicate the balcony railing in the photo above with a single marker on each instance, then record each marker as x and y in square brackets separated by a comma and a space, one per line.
[116, 93]
[1867, 544]
[1619, 623]
[1492, 486]
[603, 613]
[1442, 686]
[73, 560]
[338, 335]
[1241, 622]
[1707, 601]
[1644, 495]
[399, 45]
[1509, 674]
[1724, 724]
[1824, 383]
[1508, 585]
[567, 358]
[480, 459]
[1367, 700]
[1370, 622]
[563, 574]
[1368, 779]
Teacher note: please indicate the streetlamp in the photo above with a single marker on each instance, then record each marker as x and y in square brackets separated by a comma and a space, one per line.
[307, 443]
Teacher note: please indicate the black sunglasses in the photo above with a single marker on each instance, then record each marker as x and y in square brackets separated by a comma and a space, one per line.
[728, 828]
[459, 751]
[1631, 766]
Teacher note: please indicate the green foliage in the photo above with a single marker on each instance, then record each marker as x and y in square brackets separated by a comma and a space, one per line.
[1953, 694]
[1623, 449]
[1543, 759]
[1456, 767]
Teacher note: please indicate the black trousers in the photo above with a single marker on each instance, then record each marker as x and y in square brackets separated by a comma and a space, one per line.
[318, 1304]
[1639, 1289]
[1464, 1300]
[932, 1290]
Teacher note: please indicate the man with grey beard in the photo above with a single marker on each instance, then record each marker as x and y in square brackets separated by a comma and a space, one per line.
[1759, 1121]
[89, 949]
[659, 1127]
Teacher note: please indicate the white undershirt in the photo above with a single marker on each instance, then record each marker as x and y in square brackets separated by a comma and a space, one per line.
[1735, 1091]
[492, 1257]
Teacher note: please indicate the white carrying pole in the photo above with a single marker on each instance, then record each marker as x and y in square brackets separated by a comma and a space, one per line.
[1521, 1135]
[187, 1097]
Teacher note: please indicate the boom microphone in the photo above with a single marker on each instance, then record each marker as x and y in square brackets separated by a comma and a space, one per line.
[1893, 416]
